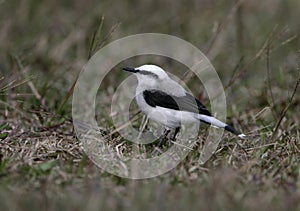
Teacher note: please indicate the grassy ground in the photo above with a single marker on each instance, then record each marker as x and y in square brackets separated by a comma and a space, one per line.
[254, 46]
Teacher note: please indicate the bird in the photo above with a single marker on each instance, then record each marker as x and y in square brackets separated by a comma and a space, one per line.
[165, 101]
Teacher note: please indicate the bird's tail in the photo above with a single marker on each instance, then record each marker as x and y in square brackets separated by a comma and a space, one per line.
[217, 123]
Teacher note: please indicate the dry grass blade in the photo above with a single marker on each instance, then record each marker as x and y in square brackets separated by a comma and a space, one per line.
[242, 68]
[13, 84]
[218, 36]
[95, 45]
[112, 30]
[67, 96]
[96, 42]
[269, 84]
[95, 39]
[30, 83]
[258, 129]
[143, 126]
[23, 114]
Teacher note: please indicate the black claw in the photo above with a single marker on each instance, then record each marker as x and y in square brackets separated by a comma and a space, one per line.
[232, 130]
[176, 132]
[161, 142]
[163, 138]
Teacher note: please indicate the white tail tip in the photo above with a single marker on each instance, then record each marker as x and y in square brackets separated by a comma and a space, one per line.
[242, 136]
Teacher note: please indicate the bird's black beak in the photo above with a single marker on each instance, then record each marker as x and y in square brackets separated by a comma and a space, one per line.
[130, 69]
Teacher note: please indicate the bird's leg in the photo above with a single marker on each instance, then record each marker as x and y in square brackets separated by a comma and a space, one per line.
[163, 137]
[176, 131]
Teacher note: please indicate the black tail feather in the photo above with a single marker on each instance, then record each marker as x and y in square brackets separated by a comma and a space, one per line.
[232, 130]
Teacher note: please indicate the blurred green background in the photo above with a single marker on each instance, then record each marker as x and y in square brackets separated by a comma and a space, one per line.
[253, 45]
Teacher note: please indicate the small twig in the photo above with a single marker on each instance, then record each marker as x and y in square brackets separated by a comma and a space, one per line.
[241, 146]
[283, 43]
[126, 124]
[259, 147]
[231, 154]
[258, 55]
[181, 145]
[289, 102]
[254, 58]
[261, 112]
[252, 131]
[143, 126]
[47, 128]
[266, 46]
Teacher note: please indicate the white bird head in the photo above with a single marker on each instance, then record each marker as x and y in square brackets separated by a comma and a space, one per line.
[148, 73]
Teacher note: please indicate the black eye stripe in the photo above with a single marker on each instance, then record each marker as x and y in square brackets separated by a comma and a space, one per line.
[143, 72]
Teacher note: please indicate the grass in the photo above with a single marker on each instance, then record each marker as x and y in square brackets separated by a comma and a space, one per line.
[254, 46]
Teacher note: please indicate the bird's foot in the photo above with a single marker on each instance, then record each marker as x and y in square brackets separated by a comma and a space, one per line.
[157, 151]
[162, 141]
[163, 138]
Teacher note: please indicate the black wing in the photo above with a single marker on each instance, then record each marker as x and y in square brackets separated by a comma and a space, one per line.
[185, 103]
